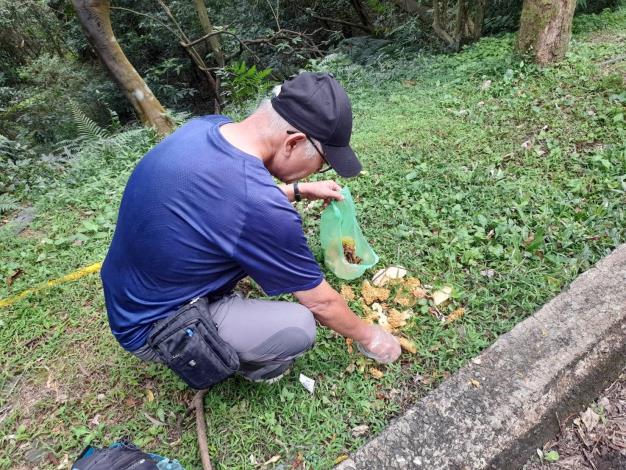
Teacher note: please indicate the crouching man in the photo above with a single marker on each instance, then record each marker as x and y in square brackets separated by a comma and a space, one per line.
[201, 211]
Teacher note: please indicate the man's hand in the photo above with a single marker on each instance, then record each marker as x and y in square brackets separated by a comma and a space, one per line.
[381, 346]
[327, 190]
[331, 310]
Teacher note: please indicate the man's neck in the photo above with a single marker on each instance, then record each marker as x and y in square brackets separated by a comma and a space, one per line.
[246, 136]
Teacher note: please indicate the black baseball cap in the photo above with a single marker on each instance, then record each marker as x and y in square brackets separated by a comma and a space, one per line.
[317, 105]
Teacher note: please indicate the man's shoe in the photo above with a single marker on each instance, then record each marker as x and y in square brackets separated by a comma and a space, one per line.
[271, 380]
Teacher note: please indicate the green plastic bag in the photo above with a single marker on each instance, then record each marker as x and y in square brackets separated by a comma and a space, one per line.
[338, 226]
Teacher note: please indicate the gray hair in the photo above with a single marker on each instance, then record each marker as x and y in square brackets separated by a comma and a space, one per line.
[276, 124]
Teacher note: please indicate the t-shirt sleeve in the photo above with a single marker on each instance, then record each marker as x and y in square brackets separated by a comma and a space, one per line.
[272, 248]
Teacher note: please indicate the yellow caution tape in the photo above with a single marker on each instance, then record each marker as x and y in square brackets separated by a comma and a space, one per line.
[94, 268]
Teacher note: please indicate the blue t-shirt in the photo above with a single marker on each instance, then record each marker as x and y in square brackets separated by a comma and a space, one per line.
[197, 216]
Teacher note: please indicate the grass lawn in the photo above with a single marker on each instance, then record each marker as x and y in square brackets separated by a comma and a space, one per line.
[483, 172]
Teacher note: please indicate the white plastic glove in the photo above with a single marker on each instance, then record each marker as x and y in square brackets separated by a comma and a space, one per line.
[382, 347]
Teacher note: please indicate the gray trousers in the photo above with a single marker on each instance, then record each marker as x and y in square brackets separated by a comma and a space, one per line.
[267, 335]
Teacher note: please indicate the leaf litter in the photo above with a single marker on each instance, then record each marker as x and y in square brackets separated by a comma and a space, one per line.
[595, 439]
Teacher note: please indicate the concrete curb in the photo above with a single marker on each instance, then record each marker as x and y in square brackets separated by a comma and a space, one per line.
[548, 366]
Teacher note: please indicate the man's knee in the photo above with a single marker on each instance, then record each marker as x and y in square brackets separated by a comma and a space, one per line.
[306, 323]
[298, 336]
[292, 339]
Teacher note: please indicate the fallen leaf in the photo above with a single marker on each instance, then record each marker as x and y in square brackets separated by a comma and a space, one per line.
[590, 419]
[17, 273]
[434, 311]
[458, 313]
[407, 345]
[486, 85]
[529, 239]
[349, 345]
[65, 463]
[475, 383]
[383, 276]
[341, 458]
[274, 459]
[149, 395]
[397, 319]
[360, 430]
[299, 460]
[477, 360]
[154, 421]
[551, 456]
[376, 373]
[488, 273]
[371, 294]
[440, 296]
[351, 368]
[347, 293]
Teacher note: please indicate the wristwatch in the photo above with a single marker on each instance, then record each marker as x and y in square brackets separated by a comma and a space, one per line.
[296, 192]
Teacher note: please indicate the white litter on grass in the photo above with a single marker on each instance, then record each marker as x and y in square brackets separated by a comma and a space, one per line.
[383, 276]
[307, 383]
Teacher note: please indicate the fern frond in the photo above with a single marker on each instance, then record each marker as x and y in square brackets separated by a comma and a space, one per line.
[122, 139]
[87, 128]
[8, 203]
[6, 147]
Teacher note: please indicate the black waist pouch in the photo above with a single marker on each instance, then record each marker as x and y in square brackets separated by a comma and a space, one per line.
[188, 344]
[121, 457]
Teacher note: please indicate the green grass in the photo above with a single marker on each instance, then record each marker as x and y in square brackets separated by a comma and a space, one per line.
[449, 191]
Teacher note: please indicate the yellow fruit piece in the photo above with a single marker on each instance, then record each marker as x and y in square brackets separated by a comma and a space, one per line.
[372, 294]
[376, 373]
[348, 241]
[398, 319]
[405, 298]
[347, 293]
[407, 345]
[458, 313]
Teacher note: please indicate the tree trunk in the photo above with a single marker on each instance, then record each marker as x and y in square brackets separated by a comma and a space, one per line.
[468, 22]
[411, 6]
[95, 19]
[207, 27]
[545, 29]
[360, 9]
[478, 17]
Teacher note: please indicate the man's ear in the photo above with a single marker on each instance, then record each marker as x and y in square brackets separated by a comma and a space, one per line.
[292, 141]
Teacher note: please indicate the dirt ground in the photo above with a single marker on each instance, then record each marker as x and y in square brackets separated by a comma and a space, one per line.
[595, 439]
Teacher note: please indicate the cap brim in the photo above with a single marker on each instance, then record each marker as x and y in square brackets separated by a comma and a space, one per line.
[343, 160]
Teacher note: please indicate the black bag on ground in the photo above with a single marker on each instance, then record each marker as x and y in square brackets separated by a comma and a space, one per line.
[188, 343]
[117, 457]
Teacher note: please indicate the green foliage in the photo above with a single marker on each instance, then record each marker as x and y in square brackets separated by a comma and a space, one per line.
[473, 162]
[87, 129]
[38, 110]
[242, 83]
[8, 203]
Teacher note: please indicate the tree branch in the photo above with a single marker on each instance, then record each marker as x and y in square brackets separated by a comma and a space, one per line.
[335, 20]
[153, 18]
[197, 404]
